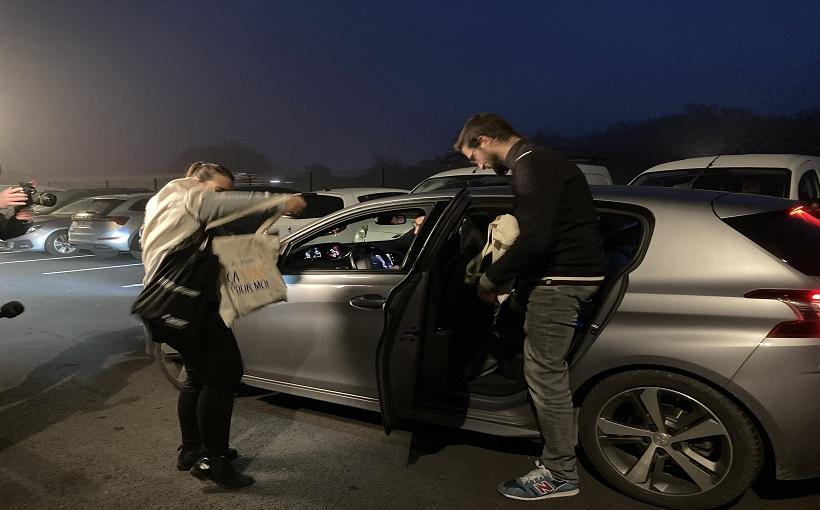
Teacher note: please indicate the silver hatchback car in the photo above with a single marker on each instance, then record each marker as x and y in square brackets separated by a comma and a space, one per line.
[110, 225]
[696, 361]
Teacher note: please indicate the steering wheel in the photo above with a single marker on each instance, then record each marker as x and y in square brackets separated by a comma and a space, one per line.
[362, 257]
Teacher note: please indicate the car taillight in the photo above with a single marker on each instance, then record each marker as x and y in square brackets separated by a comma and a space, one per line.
[809, 214]
[805, 303]
[119, 220]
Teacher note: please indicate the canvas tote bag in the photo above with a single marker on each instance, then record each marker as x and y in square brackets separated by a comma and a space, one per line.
[501, 234]
[249, 277]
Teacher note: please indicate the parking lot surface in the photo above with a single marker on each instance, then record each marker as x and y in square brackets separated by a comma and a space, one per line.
[88, 421]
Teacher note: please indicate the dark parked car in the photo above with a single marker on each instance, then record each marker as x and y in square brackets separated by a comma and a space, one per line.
[696, 362]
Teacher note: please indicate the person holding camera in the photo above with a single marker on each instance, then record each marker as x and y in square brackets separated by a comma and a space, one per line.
[177, 213]
[18, 223]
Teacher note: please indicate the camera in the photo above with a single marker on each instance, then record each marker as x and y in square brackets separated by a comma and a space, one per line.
[35, 197]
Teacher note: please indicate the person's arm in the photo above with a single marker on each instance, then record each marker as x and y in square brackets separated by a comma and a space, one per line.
[536, 211]
[207, 206]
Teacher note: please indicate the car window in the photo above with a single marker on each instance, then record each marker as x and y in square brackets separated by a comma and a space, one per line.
[759, 181]
[103, 206]
[384, 194]
[374, 242]
[808, 188]
[792, 236]
[318, 206]
[74, 207]
[460, 181]
[139, 205]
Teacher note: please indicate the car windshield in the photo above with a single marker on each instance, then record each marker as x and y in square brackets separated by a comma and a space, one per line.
[460, 181]
[74, 207]
[793, 236]
[773, 182]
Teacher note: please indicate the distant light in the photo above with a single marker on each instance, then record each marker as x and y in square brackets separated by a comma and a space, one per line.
[275, 181]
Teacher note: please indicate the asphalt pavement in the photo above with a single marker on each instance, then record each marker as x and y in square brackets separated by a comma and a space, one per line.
[88, 421]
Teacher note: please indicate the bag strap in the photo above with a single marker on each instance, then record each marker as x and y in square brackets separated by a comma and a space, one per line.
[266, 225]
[255, 208]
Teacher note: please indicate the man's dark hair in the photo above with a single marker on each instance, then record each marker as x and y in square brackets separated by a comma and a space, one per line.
[203, 171]
[487, 124]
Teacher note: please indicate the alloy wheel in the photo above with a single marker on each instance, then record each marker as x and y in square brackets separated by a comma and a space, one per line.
[664, 441]
[62, 246]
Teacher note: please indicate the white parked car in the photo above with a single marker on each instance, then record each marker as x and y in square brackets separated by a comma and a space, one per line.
[322, 203]
[778, 175]
[474, 177]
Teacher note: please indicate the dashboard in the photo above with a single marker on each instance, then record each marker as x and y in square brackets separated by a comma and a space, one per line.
[340, 256]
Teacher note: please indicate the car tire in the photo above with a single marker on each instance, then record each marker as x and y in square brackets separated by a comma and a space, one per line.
[134, 247]
[708, 453]
[170, 363]
[57, 244]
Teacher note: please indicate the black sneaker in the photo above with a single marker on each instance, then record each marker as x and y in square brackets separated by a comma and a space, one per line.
[186, 458]
[221, 471]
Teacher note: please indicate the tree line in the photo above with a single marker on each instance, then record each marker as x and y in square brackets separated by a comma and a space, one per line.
[625, 148]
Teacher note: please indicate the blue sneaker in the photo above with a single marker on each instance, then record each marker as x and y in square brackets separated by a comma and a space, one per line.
[538, 484]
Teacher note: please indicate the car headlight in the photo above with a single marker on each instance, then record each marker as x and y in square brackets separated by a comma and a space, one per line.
[33, 228]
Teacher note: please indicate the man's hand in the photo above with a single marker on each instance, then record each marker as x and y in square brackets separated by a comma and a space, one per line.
[295, 204]
[488, 296]
[12, 197]
[24, 215]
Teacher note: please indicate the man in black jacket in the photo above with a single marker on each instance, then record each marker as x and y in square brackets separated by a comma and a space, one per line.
[558, 260]
[17, 224]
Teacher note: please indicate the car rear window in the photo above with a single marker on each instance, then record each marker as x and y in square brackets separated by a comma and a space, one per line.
[103, 206]
[793, 236]
[139, 205]
[374, 196]
[460, 181]
[79, 206]
[318, 206]
[773, 182]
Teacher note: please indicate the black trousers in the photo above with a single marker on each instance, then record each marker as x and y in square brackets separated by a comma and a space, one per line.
[214, 367]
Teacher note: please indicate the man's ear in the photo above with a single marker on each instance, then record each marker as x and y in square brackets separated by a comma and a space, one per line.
[483, 139]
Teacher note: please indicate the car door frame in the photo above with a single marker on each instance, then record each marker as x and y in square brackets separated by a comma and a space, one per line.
[397, 353]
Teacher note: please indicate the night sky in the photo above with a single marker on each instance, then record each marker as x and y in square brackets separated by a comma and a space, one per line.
[124, 87]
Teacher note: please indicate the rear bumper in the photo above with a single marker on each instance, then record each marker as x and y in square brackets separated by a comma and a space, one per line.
[780, 382]
[94, 243]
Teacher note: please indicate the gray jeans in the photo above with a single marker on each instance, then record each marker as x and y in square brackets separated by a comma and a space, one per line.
[552, 312]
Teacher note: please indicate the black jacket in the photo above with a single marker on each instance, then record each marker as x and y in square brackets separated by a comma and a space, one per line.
[12, 227]
[556, 217]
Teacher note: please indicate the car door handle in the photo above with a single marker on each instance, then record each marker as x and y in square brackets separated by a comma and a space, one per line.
[368, 301]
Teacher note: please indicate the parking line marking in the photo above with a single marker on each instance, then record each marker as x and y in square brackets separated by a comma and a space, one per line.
[41, 260]
[92, 269]
[132, 285]
[9, 252]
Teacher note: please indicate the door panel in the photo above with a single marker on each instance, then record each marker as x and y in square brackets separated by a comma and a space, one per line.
[318, 338]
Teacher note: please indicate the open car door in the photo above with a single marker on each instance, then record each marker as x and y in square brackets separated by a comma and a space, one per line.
[399, 346]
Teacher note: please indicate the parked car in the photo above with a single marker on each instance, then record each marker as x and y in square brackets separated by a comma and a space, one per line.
[777, 175]
[49, 232]
[68, 196]
[322, 203]
[110, 225]
[475, 177]
[696, 362]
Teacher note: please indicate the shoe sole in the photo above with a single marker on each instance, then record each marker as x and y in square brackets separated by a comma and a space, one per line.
[563, 494]
[202, 477]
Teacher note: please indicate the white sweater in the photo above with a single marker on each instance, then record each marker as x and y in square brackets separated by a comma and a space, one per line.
[182, 207]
